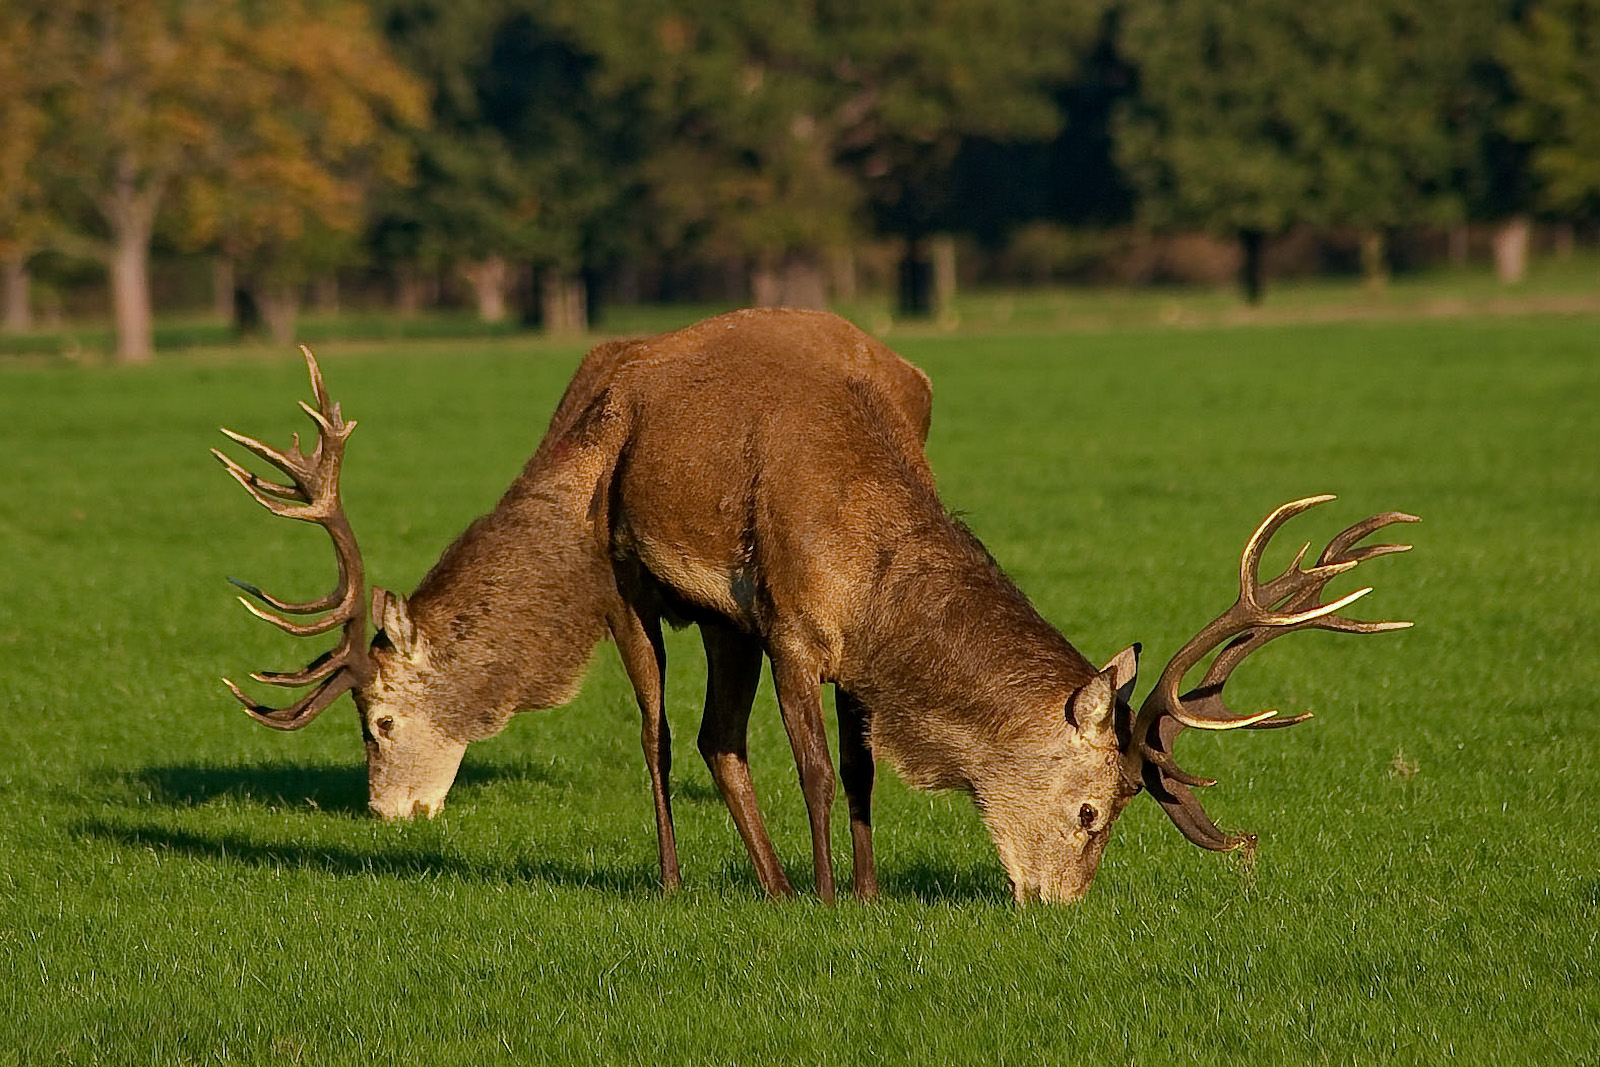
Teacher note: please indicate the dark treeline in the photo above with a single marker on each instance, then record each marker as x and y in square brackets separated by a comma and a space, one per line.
[538, 156]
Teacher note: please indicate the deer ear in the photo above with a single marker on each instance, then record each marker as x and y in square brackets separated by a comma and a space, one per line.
[1092, 708]
[392, 616]
[1124, 668]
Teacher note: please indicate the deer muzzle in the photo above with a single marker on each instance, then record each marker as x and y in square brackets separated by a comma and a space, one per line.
[411, 780]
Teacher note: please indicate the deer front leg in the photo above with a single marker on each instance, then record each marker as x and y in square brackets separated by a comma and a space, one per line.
[800, 701]
[856, 774]
[733, 670]
[644, 657]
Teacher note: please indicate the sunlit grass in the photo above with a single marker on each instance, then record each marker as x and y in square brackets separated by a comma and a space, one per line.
[179, 885]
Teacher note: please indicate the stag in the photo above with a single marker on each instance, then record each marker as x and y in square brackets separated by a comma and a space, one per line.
[508, 618]
[745, 476]
[817, 537]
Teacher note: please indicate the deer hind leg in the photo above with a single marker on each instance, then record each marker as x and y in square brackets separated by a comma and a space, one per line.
[800, 699]
[855, 774]
[733, 670]
[644, 657]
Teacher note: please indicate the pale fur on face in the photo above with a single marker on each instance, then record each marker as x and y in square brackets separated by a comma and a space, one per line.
[1051, 816]
[411, 761]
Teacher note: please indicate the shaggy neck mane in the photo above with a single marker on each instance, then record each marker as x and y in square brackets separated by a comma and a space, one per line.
[950, 631]
[515, 607]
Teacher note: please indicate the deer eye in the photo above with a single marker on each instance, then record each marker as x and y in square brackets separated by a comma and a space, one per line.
[1086, 815]
[385, 725]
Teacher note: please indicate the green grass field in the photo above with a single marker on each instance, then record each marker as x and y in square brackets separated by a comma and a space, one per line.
[181, 886]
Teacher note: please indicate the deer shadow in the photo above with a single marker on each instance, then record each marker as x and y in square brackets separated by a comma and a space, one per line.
[921, 881]
[928, 882]
[623, 880]
[339, 789]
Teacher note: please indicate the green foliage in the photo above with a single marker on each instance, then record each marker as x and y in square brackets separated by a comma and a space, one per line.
[1261, 114]
[917, 77]
[21, 123]
[311, 108]
[526, 157]
[1553, 57]
[181, 886]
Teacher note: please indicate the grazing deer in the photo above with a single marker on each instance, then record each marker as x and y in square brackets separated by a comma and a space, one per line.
[508, 617]
[804, 523]
[727, 476]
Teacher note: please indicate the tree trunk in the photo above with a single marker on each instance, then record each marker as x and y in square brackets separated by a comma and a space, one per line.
[1511, 249]
[1564, 239]
[943, 253]
[280, 310]
[224, 302]
[18, 316]
[325, 294]
[1375, 261]
[490, 278]
[916, 281]
[130, 212]
[130, 291]
[842, 274]
[766, 285]
[1459, 245]
[1252, 265]
[407, 290]
[804, 284]
[561, 299]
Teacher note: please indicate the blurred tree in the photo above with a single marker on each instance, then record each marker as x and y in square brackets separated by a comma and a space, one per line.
[917, 79]
[1254, 115]
[1553, 59]
[240, 107]
[740, 147]
[525, 160]
[313, 117]
[22, 215]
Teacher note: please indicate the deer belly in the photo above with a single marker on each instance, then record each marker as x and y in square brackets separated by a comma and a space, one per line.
[710, 586]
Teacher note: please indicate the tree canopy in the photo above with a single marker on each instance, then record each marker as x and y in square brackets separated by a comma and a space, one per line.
[558, 141]
[1553, 57]
[1255, 115]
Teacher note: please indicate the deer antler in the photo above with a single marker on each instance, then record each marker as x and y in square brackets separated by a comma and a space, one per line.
[1264, 611]
[312, 496]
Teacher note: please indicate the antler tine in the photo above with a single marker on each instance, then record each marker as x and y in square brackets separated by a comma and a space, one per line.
[291, 461]
[319, 388]
[296, 629]
[313, 497]
[1264, 611]
[330, 662]
[258, 487]
[332, 599]
[301, 711]
[1170, 786]
[1339, 547]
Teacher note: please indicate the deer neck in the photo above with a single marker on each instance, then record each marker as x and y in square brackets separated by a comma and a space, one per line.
[512, 612]
[958, 665]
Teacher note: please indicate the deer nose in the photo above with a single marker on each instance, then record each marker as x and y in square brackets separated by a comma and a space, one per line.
[391, 810]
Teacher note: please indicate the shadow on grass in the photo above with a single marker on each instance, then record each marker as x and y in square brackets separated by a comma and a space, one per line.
[923, 881]
[341, 790]
[343, 861]
[930, 882]
[336, 788]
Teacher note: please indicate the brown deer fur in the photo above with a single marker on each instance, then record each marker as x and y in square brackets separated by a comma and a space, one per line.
[762, 474]
[808, 523]
[509, 616]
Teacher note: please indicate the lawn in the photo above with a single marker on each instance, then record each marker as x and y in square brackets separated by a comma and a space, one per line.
[180, 885]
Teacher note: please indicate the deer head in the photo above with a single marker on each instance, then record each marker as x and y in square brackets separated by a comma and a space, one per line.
[1103, 755]
[411, 759]
[1050, 807]
[1263, 611]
